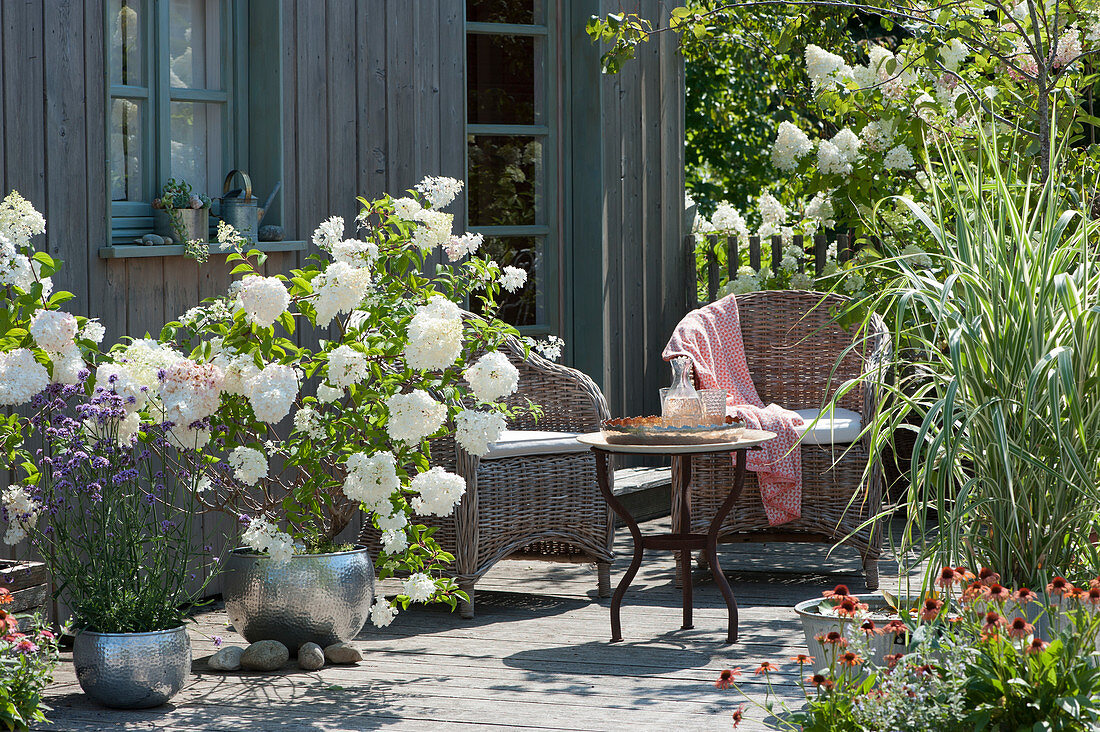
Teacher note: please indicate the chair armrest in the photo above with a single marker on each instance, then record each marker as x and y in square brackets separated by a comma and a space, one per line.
[569, 399]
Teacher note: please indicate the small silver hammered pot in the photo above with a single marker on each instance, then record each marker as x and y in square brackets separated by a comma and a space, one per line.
[132, 670]
[318, 598]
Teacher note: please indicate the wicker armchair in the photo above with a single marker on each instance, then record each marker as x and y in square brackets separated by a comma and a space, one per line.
[520, 498]
[792, 345]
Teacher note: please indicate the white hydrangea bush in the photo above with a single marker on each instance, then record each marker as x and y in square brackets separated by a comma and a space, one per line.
[301, 438]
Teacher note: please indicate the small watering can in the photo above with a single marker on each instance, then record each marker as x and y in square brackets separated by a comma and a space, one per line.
[243, 212]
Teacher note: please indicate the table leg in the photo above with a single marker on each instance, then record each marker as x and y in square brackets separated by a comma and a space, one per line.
[712, 545]
[635, 533]
[681, 478]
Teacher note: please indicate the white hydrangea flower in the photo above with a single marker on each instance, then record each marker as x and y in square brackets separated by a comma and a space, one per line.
[372, 479]
[21, 377]
[461, 246]
[801, 281]
[916, 256]
[266, 537]
[475, 431]
[434, 335]
[771, 210]
[878, 62]
[249, 464]
[791, 145]
[271, 391]
[513, 279]
[22, 512]
[329, 233]
[438, 492]
[187, 437]
[355, 253]
[53, 330]
[309, 420]
[830, 161]
[116, 378]
[396, 521]
[237, 370]
[954, 53]
[264, 299]
[728, 220]
[878, 135]
[382, 613]
[347, 366]
[414, 416]
[847, 143]
[492, 377]
[825, 69]
[899, 158]
[406, 208]
[19, 220]
[128, 428]
[419, 587]
[93, 331]
[328, 394]
[439, 191]
[191, 391]
[340, 289]
[67, 365]
[854, 282]
[551, 348]
[820, 209]
[144, 359]
[1069, 48]
[394, 541]
[435, 230]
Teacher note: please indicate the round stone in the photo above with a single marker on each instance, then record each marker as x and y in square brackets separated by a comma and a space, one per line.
[265, 655]
[152, 240]
[343, 653]
[310, 657]
[227, 659]
[271, 232]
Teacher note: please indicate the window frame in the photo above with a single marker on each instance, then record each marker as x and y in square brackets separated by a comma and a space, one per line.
[159, 94]
[549, 232]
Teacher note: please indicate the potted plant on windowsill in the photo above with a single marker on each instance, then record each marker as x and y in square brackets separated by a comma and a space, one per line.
[180, 214]
[398, 363]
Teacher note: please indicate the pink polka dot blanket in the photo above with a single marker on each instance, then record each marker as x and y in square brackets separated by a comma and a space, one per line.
[711, 337]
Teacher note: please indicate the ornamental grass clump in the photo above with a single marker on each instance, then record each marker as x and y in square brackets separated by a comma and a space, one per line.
[975, 655]
[332, 382]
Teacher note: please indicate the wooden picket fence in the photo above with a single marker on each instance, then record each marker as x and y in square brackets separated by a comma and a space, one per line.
[815, 250]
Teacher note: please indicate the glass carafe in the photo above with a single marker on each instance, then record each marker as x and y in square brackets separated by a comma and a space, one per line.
[681, 405]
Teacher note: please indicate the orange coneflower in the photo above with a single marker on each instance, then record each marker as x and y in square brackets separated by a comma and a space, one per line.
[738, 715]
[837, 592]
[726, 678]
[849, 608]
[892, 659]
[869, 628]
[1020, 628]
[998, 593]
[931, 609]
[948, 577]
[988, 577]
[818, 680]
[831, 638]
[766, 668]
[1058, 586]
[1074, 593]
[1036, 646]
[802, 659]
[1024, 596]
[974, 591]
[851, 659]
[1092, 597]
[5, 596]
[965, 574]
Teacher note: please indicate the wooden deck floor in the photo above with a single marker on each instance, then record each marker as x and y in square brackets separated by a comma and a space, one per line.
[535, 657]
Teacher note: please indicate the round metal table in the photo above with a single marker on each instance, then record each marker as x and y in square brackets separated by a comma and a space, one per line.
[681, 538]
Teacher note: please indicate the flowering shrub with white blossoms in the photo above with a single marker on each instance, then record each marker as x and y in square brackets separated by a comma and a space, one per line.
[300, 438]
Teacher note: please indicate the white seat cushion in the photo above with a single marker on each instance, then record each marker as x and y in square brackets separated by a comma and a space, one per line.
[844, 427]
[513, 443]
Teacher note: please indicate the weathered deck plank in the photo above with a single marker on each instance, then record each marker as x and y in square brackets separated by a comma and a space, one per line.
[535, 657]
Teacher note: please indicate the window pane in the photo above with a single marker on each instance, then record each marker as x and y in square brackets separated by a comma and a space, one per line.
[506, 184]
[506, 11]
[125, 25]
[504, 79]
[196, 131]
[195, 44]
[527, 306]
[126, 142]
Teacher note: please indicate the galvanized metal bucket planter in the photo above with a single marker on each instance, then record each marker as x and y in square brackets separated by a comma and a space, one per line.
[815, 624]
[132, 670]
[318, 598]
[195, 224]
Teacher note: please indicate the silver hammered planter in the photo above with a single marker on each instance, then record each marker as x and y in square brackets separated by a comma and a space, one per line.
[318, 598]
[132, 670]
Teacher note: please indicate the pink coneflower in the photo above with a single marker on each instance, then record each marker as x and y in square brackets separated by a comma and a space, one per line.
[837, 592]
[892, 659]
[738, 715]
[931, 609]
[831, 638]
[896, 627]
[948, 577]
[1024, 596]
[726, 678]
[988, 577]
[923, 671]
[965, 574]
[1092, 597]
[1058, 587]
[1020, 628]
[1036, 646]
[802, 659]
[974, 591]
[766, 668]
[26, 646]
[849, 608]
[818, 680]
[998, 593]
[1075, 593]
[993, 623]
[869, 628]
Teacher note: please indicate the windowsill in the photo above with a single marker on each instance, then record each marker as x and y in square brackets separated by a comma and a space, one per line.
[127, 251]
